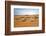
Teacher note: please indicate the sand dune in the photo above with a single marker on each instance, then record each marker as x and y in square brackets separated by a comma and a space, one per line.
[26, 20]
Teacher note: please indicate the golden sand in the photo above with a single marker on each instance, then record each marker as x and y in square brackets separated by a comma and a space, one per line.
[26, 21]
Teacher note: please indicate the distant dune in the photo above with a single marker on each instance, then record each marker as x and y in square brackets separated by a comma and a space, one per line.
[26, 20]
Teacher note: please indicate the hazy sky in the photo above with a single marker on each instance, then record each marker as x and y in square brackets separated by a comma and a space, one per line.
[25, 11]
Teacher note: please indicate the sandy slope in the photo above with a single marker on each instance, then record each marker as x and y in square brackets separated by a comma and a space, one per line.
[26, 20]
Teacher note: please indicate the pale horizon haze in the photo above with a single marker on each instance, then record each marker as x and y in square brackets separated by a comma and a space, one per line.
[25, 11]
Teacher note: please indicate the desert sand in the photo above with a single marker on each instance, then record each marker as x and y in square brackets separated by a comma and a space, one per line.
[26, 20]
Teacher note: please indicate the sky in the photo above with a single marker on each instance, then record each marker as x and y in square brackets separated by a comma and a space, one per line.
[25, 11]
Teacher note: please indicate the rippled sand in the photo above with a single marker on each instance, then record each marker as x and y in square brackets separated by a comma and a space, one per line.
[26, 20]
